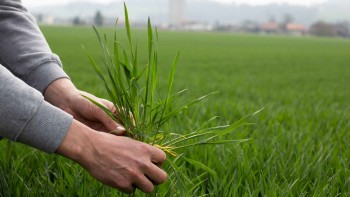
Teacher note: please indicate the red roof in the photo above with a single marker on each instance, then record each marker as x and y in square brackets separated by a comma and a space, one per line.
[295, 27]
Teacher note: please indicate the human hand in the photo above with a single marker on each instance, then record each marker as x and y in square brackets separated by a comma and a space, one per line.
[116, 161]
[63, 94]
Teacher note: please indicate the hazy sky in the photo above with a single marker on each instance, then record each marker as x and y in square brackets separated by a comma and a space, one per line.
[34, 3]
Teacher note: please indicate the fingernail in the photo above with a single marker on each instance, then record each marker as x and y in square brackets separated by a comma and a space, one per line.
[120, 128]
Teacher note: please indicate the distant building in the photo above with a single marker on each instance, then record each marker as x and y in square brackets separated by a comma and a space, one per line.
[196, 26]
[295, 29]
[177, 11]
[45, 19]
[270, 27]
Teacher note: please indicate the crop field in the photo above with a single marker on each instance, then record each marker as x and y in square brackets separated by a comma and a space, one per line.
[299, 144]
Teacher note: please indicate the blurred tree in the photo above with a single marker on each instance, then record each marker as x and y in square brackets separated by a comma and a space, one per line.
[250, 26]
[323, 29]
[98, 19]
[287, 19]
[77, 21]
[39, 18]
[343, 29]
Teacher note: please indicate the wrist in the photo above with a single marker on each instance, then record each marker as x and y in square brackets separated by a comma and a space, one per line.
[60, 93]
[77, 142]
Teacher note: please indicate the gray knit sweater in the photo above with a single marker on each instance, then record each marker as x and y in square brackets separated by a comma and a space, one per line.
[27, 67]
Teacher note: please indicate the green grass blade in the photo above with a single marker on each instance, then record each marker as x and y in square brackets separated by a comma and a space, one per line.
[170, 84]
[116, 48]
[127, 27]
[199, 183]
[179, 178]
[195, 134]
[222, 142]
[154, 79]
[149, 67]
[201, 98]
[103, 47]
[235, 125]
[135, 63]
[178, 110]
[206, 142]
[200, 165]
[187, 137]
[150, 39]
[127, 72]
[157, 36]
[95, 67]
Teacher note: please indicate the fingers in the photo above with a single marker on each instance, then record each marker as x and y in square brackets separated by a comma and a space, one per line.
[143, 179]
[152, 171]
[92, 115]
[148, 177]
[157, 156]
[149, 171]
[144, 184]
[155, 174]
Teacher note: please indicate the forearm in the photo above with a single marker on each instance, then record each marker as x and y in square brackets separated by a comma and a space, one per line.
[24, 50]
[25, 116]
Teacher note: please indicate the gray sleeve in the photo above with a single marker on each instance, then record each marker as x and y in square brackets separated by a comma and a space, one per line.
[25, 116]
[24, 50]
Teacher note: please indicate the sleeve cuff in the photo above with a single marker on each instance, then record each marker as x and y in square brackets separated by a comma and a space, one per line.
[47, 128]
[43, 75]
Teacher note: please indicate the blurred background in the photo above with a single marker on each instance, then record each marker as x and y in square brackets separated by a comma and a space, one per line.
[297, 18]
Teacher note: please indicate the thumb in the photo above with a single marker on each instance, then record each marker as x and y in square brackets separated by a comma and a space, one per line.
[108, 122]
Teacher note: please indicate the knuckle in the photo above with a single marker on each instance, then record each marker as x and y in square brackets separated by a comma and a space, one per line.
[122, 183]
[126, 187]
[144, 147]
[133, 173]
[145, 165]
[137, 176]
[139, 163]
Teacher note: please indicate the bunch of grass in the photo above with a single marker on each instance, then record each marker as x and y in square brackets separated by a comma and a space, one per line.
[141, 110]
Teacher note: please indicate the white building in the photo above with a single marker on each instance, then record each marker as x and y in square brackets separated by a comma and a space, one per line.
[177, 12]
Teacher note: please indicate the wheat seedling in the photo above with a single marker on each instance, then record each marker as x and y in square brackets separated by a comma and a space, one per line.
[142, 112]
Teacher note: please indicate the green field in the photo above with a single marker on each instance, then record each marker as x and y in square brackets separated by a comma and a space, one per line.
[300, 143]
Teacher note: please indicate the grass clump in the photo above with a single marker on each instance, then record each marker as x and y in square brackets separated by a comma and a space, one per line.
[133, 89]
